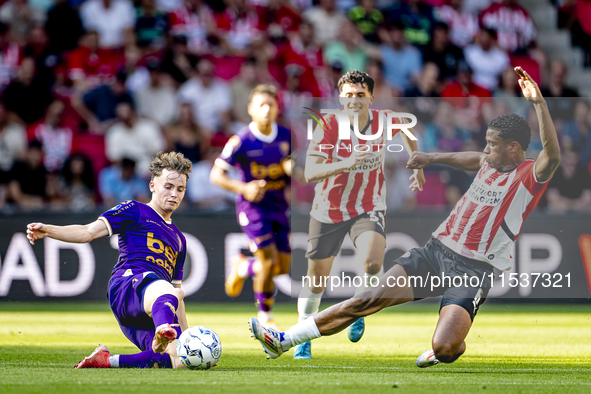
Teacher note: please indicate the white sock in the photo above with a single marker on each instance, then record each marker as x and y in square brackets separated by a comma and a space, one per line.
[367, 281]
[264, 317]
[302, 332]
[308, 304]
[114, 360]
[242, 270]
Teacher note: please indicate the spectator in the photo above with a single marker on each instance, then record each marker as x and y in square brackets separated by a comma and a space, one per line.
[416, 19]
[55, 137]
[476, 6]
[577, 132]
[200, 190]
[10, 56]
[327, 21]
[178, 62]
[78, 188]
[426, 85]
[462, 22]
[37, 47]
[292, 94]
[444, 132]
[570, 188]
[156, 101]
[241, 87]
[90, 66]
[459, 92]
[280, 18]
[238, 26]
[347, 49]
[27, 187]
[367, 19]
[375, 69]
[114, 20]
[509, 92]
[121, 183]
[21, 18]
[28, 95]
[301, 49]
[210, 98]
[13, 144]
[328, 80]
[194, 20]
[443, 53]
[486, 59]
[151, 25]
[514, 27]
[98, 107]
[402, 62]
[63, 27]
[186, 137]
[562, 106]
[135, 138]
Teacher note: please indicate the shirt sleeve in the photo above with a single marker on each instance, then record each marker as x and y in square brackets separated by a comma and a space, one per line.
[324, 138]
[121, 217]
[231, 154]
[177, 277]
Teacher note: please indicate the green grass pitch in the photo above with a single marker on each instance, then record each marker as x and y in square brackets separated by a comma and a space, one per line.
[511, 349]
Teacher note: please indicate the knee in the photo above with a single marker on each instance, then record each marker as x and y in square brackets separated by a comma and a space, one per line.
[445, 352]
[279, 269]
[372, 265]
[179, 293]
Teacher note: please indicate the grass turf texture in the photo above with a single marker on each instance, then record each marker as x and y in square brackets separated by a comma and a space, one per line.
[511, 349]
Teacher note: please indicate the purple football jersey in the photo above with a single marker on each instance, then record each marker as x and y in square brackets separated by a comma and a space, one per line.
[147, 242]
[258, 156]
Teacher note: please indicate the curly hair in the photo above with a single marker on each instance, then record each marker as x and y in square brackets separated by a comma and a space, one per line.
[356, 76]
[172, 161]
[512, 127]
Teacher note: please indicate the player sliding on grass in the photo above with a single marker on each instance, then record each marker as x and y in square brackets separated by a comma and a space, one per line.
[477, 236]
[145, 287]
[349, 197]
[260, 153]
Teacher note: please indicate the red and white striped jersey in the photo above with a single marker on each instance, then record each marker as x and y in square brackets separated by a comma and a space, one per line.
[353, 192]
[488, 218]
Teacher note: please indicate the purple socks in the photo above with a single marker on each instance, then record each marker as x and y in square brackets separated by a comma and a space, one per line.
[147, 359]
[164, 309]
[264, 301]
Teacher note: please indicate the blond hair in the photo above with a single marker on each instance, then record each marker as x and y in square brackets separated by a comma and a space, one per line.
[263, 89]
[173, 161]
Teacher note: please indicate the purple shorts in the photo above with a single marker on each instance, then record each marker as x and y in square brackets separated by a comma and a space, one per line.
[266, 229]
[126, 296]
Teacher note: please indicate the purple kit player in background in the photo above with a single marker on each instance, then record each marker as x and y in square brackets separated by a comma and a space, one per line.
[145, 287]
[260, 152]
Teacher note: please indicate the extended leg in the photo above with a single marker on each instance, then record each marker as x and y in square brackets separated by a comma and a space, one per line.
[263, 286]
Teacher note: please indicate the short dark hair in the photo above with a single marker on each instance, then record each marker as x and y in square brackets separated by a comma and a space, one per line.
[512, 127]
[354, 77]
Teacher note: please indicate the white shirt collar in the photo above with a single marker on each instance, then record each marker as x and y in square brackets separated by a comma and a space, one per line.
[167, 221]
[262, 137]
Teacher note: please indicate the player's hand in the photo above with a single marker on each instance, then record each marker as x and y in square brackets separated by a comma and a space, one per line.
[529, 87]
[357, 158]
[418, 160]
[254, 191]
[417, 180]
[36, 231]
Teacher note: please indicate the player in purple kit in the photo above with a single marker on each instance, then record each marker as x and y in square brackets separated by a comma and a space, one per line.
[145, 287]
[260, 152]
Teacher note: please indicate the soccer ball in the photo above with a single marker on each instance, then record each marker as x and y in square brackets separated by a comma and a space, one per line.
[199, 348]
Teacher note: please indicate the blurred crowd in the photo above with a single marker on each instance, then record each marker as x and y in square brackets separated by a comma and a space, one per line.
[92, 89]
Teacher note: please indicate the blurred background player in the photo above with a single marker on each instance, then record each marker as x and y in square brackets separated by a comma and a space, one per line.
[145, 287]
[476, 238]
[260, 152]
[349, 196]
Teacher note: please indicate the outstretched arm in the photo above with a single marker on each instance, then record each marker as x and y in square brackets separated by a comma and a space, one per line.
[253, 191]
[549, 158]
[467, 161]
[75, 233]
